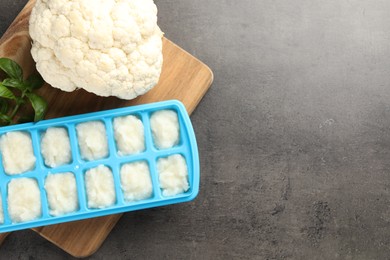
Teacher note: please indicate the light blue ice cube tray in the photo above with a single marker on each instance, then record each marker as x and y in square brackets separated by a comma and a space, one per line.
[187, 147]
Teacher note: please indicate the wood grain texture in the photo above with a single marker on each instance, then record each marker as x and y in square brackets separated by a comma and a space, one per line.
[183, 78]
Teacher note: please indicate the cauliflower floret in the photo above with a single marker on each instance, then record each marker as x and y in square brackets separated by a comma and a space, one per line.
[107, 47]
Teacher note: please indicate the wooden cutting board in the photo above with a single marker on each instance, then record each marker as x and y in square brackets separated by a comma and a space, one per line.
[183, 77]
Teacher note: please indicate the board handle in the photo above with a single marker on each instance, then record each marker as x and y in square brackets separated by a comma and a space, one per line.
[16, 44]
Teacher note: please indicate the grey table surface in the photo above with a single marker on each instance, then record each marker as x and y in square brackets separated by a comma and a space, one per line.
[294, 136]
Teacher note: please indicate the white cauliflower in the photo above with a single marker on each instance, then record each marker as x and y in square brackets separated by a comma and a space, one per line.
[108, 47]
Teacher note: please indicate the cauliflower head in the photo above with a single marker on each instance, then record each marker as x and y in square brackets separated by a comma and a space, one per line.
[107, 47]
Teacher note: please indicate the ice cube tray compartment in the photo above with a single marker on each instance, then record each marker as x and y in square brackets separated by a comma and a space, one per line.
[186, 146]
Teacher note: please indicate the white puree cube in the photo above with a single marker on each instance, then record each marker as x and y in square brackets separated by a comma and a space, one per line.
[24, 200]
[92, 140]
[173, 175]
[55, 147]
[129, 135]
[17, 152]
[135, 181]
[99, 182]
[61, 193]
[165, 128]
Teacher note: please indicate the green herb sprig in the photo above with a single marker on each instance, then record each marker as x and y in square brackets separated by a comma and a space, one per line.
[15, 92]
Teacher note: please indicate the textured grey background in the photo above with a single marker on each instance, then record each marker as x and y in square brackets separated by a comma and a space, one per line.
[294, 136]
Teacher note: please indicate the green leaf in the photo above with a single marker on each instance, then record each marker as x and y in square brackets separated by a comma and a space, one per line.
[39, 105]
[4, 120]
[35, 81]
[20, 97]
[11, 68]
[14, 83]
[6, 93]
[3, 106]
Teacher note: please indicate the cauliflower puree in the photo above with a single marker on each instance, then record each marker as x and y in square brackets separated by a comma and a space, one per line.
[129, 135]
[17, 152]
[61, 193]
[24, 200]
[173, 175]
[165, 128]
[135, 181]
[99, 182]
[92, 140]
[55, 147]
